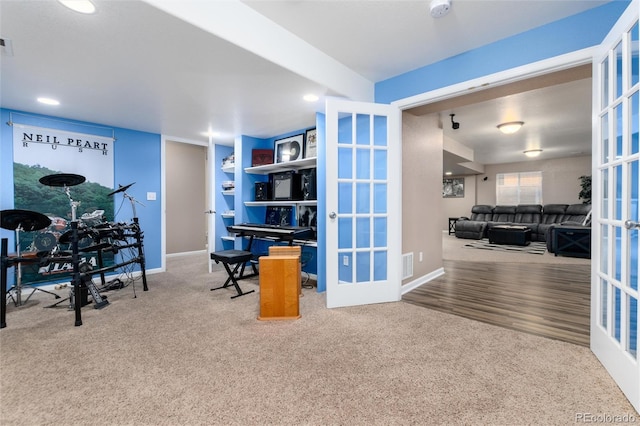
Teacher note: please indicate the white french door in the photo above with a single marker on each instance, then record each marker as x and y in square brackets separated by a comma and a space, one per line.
[615, 227]
[363, 203]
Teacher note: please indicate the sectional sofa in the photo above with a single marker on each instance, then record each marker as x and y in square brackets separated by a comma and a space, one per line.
[540, 219]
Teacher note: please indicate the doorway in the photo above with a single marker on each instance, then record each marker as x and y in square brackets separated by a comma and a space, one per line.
[186, 223]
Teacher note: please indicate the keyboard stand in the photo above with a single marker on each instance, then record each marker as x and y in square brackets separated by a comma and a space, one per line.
[238, 258]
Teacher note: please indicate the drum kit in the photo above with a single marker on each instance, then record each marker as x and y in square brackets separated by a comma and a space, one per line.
[51, 243]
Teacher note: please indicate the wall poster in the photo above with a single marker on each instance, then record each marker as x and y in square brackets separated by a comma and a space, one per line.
[39, 152]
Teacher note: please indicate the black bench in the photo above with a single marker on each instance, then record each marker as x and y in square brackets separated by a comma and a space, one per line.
[238, 258]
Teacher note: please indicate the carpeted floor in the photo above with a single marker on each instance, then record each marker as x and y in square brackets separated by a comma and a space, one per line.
[180, 354]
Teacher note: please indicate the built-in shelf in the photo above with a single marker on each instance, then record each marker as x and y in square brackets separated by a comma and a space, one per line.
[229, 192]
[281, 203]
[277, 167]
[228, 215]
[229, 168]
[229, 238]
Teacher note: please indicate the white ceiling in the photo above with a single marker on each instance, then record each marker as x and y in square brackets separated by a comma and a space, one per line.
[136, 66]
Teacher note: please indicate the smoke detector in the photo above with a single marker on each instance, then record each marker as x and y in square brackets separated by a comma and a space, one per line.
[439, 8]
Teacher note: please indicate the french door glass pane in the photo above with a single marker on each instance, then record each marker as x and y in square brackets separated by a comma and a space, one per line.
[617, 186]
[634, 177]
[604, 303]
[363, 267]
[617, 312]
[604, 249]
[605, 83]
[605, 138]
[363, 198]
[380, 265]
[617, 253]
[380, 198]
[345, 198]
[363, 164]
[619, 130]
[380, 164]
[619, 70]
[632, 326]
[605, 194]
[345, 270]
[635, 122]
[345, 232]
[635, 63]
[380, 130]
[345, 163]
[380, 232]
[363, 133]
[363, 232]
[634, 266]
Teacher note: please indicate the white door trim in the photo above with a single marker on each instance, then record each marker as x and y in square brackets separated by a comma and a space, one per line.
[524, 72]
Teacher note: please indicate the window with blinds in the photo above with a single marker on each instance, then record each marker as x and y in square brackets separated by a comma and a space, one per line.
[519, 188]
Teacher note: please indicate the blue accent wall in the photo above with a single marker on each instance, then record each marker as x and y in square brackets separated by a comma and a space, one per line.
[137, 158]
[564, 36]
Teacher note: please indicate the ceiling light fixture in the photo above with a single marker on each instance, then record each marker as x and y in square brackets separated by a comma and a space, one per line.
[532, 152]
[48, 101]
[510, 127]
[310, 97]
[439, 8]
[82, 6]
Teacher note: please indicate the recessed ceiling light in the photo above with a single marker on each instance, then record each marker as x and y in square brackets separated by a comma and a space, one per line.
[82, 6]
[48, 101]
[532, 152]
[310, 97]
[448, 173]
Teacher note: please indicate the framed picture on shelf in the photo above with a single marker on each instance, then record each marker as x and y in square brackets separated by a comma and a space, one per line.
[310, 144]
[261, 157]
[288, 149]
[453, 188]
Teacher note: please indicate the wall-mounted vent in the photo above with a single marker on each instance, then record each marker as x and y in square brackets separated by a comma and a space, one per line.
[407, 265]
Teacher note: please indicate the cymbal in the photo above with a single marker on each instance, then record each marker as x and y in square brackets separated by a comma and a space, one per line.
[27, 220]
[62, 179]
[120, 189]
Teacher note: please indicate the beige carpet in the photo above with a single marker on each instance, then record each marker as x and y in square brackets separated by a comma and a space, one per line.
[454, 249]
[180, 354]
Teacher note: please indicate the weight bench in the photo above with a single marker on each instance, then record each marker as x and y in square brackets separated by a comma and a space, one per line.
[238, 258]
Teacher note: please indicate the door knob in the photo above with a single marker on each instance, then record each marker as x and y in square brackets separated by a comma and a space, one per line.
[629, 224]
[332, 215]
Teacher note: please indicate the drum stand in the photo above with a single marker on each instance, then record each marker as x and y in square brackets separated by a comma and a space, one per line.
[17, 301]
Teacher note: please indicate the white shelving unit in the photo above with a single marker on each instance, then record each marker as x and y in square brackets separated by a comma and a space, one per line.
[305, 163]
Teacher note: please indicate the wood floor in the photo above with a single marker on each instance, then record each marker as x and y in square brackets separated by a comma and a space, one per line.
[543, 299]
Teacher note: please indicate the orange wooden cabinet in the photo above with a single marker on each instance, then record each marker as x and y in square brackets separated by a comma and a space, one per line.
[288, 251]
[279, 294]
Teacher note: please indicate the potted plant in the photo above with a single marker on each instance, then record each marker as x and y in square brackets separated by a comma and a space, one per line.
[585, 191]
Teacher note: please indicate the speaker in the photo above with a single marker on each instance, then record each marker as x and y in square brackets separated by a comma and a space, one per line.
[262, 191]
[308, 184]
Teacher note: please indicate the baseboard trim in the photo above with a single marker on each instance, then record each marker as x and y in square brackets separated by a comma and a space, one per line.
[406, 288]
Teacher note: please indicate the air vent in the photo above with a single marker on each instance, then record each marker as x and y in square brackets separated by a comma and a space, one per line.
[6, 47]
[407, 265]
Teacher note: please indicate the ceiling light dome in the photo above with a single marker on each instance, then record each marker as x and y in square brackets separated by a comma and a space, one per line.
[532, 152]
[510, 127]
[82, 6]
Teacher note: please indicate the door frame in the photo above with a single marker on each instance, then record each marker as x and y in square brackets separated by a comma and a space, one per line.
[163, 189]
